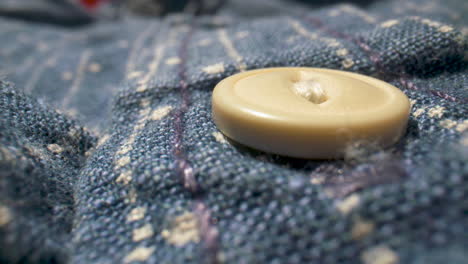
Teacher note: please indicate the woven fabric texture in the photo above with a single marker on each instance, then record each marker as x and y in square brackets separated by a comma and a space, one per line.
[108, 152]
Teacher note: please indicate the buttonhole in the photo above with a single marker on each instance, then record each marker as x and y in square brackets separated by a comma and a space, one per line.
[311, 90]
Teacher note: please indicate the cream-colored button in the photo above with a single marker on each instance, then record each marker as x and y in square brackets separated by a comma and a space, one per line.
[308, 112]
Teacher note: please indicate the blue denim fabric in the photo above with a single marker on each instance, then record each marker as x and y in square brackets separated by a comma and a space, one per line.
[108, 152]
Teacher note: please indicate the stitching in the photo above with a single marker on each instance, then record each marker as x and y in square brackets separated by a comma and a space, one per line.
[57, 53]
[133, 54]
[375, 58]
[347, 61]
[231, 50]
[209, 233]
[80, 72]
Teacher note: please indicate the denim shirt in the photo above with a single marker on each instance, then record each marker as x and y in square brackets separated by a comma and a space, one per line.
[109, 154]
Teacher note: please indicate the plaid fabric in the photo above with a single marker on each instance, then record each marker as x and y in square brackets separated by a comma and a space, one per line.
[108, 153]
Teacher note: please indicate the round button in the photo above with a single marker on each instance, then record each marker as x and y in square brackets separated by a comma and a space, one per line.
[308, 112]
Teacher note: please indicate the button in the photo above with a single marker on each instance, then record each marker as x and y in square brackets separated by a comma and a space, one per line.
[308, 112]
